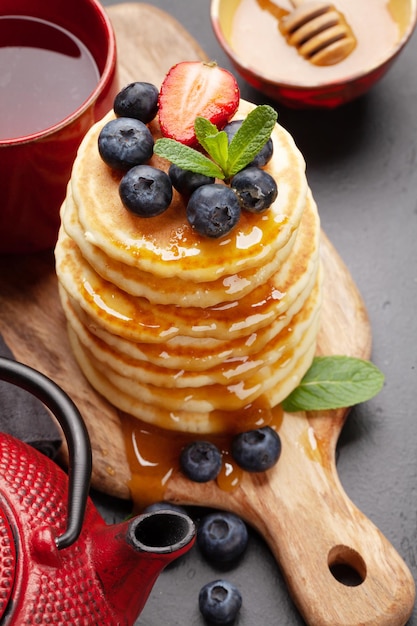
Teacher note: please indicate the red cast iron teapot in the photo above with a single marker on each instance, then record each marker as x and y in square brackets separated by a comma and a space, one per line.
[59, 561]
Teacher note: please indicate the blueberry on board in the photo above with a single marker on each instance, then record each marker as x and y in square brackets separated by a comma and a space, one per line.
[222, 537]
[255, 189]
[201, 461]
[220, 602]
[146, 191]
[213, 210]
[185, 181]
[265, 153]
[124, 143]
[256, 450]
[138, 100]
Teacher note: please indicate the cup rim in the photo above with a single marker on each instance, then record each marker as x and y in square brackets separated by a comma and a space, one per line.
[109, 69]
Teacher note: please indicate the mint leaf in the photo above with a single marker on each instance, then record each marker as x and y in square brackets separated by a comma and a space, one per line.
[225, 160]
[250, 138]
[187, 158]
[214, 142]
[335, 382]
[203, 128]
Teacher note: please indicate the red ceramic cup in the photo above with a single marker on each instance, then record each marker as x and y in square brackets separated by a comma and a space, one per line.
[35, 168]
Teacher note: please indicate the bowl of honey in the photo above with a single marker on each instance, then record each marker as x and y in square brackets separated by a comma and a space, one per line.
[256, 36]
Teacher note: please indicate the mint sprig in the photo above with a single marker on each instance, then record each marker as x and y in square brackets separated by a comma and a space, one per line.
[224, 160]
[187, 158]
[251, 137]
[214, 142]
[335, 382]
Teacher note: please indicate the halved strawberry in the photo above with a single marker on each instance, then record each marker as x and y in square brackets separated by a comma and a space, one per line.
[196, 89]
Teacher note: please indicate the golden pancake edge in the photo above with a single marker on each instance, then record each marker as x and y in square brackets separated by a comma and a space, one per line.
[179, 330]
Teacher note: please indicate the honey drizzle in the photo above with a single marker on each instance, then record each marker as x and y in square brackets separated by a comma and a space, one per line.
[315, 447]
[153, 453]
[161, 322]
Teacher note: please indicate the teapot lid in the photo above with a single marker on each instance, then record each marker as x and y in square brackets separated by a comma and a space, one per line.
[7, 562]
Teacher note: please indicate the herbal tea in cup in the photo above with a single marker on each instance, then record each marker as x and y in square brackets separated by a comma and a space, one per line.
[57, 77]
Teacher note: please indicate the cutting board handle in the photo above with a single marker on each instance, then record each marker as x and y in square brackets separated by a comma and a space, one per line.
[340, 569]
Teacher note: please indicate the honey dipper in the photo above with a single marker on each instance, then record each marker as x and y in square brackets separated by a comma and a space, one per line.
[317, 29]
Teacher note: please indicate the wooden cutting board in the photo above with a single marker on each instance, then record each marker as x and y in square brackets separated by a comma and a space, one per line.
[299, 507]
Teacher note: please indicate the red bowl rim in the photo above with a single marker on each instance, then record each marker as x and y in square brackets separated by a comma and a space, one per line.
[259, 76]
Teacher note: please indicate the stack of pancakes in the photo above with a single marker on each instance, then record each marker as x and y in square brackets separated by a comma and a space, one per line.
[182, 331]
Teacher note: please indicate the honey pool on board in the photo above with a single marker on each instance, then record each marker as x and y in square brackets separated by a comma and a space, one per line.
[153, 455]
[254, 36]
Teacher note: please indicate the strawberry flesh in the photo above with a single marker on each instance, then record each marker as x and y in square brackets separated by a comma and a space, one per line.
[196, 89]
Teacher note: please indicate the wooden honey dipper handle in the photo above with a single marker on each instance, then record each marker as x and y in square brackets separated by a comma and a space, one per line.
[322, 3]
[299, 3]
[318, 31]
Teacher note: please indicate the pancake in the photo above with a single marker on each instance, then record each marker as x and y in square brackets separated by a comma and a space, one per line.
[174, 290]
[138, 319]
[166, 245]
[227, 371]
[179, 330]
[176, 353]
[201, 422]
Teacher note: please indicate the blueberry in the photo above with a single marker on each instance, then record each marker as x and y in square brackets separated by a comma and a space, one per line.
[185, 181]
[222, 537]
[138, 100]
[213, 210]
[201, 461]
[263, 156]
[255, 189]
[164, 506]
[220, 602]
[125, 142]
[256, 450]
[146, 191]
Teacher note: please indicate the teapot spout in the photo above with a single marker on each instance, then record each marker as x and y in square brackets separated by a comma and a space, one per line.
[129, 557]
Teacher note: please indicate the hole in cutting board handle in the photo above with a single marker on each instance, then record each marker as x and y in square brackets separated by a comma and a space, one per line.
[347, 566]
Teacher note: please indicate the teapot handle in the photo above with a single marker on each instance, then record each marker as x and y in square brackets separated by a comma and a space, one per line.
[76, 435]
